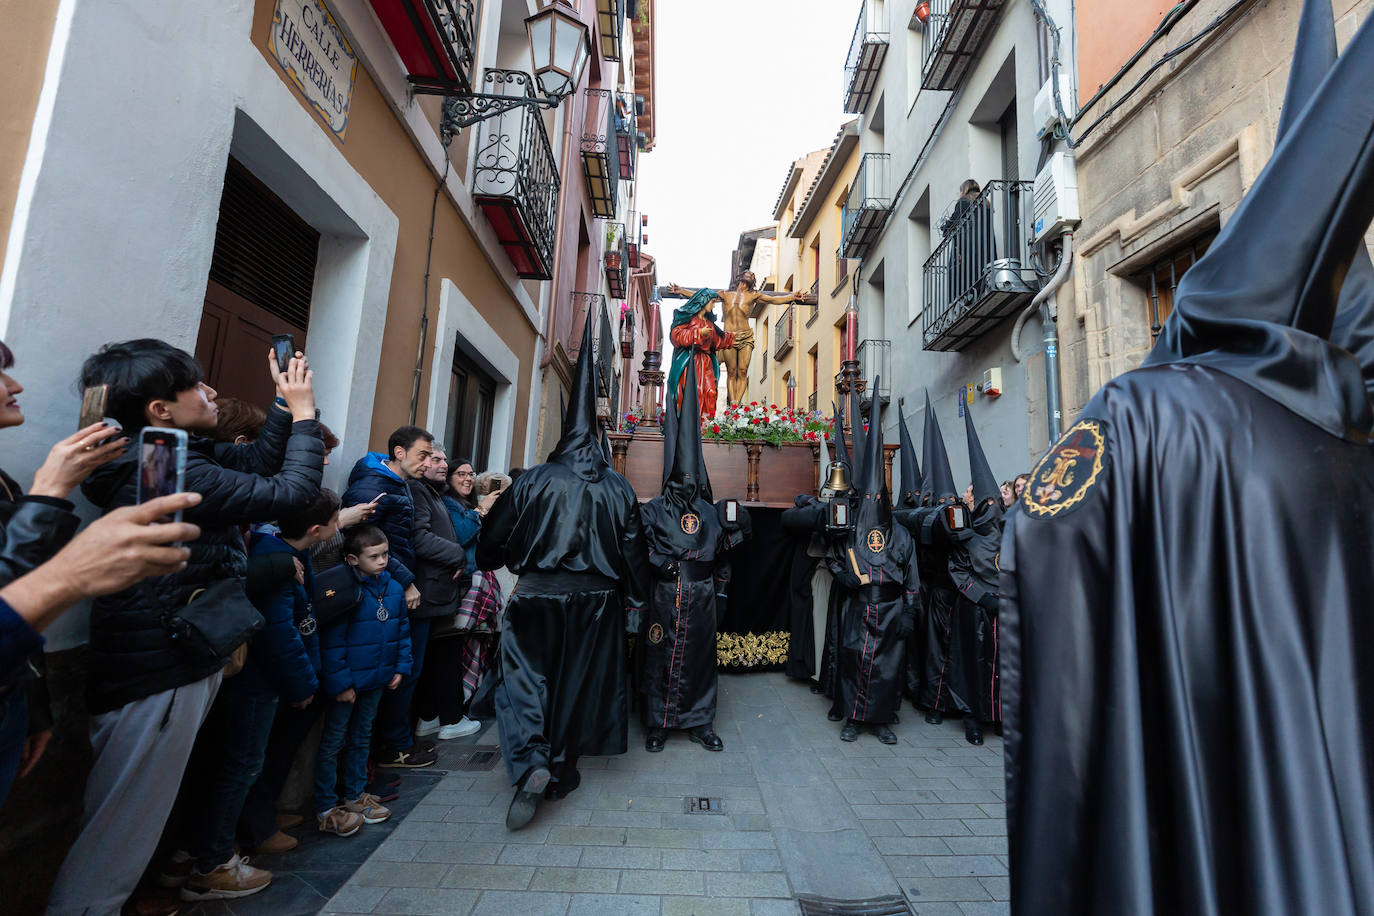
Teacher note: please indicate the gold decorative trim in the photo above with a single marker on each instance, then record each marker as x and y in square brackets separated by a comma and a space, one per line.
[1053, 487]
[750, 650]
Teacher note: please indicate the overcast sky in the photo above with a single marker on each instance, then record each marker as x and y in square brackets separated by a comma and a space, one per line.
[743, 87]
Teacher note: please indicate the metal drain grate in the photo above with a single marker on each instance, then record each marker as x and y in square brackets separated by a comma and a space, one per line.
[478, 758]
[701, 804]
[877, 906]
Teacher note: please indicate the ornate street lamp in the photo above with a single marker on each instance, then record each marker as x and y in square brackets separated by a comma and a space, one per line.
[560, 46]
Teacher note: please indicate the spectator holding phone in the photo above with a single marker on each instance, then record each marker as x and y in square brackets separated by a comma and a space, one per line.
[150, 686]
[384, 479]
[33, 528]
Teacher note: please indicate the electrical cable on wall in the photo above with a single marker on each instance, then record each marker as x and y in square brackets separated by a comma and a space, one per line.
[424, 313]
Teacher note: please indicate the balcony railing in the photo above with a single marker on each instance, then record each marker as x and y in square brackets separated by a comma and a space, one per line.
[981, 272]
[867, 51]
[515, 178]
[811, 402]
[610, 22]
[785, 334]
[616, 260]
[435, 41]
[626, 139]
[953, 38]
[813, 302]
[633, 233]
[841, 267]
[875, 362]
[866, 208]
[598, 152]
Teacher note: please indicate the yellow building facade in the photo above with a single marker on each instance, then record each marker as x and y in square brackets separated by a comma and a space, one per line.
[801, 344]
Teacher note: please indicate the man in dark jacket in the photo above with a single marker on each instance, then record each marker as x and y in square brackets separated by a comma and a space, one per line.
[148, 695]
[408, 452]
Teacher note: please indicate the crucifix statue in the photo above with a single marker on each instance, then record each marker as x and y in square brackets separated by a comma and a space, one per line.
[735, 343]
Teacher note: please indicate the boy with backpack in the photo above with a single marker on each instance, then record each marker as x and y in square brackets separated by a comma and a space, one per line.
[365, 652]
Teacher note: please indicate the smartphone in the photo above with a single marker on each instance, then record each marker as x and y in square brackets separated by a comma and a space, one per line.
[284, 346]
[93, 405]
[732, 510]
[161, 464]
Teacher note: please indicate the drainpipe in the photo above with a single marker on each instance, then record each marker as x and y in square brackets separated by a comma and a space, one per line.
[1042, 301]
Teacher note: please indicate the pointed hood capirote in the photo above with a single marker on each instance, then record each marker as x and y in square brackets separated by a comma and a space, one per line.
[856, 433]
[987, 493]
[580, 449]
[911, 471]
[1260, 304]
[687, 481]
[1314, 53]
[875, 502]
[937, 488]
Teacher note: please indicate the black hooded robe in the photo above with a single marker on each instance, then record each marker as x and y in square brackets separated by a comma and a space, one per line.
[974, 642]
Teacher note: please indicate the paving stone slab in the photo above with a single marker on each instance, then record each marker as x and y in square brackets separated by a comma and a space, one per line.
[525, 903]
[427, 901]
[582, 880]
[489, 877]
[613, 904]
[620, 857]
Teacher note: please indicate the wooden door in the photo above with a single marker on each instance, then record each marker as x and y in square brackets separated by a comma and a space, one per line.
[235, 337]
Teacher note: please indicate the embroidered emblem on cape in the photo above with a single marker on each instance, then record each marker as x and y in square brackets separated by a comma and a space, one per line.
[691, 523]
[1069, 470]
[656, 633]
[329, 593]
[307, 625]
[876, 541]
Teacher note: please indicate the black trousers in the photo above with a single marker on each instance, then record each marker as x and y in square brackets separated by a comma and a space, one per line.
[439, 695]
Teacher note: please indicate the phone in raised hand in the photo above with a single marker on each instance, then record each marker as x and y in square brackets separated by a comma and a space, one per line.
[283, 347]
[161, 464]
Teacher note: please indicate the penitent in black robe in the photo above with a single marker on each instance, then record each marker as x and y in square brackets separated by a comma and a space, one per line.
[974, 641]
[563, 690]
[677, 640]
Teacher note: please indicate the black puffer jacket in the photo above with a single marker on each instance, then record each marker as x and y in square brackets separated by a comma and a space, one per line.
[439, 558]
[132, 655]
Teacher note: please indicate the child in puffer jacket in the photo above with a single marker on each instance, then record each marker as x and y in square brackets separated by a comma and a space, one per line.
[362, 654]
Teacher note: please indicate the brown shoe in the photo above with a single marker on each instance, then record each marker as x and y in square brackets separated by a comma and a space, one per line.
[277, 843]
[235, 878]
[340, 822]
[369, 808]
[288, 821]
[143, 904]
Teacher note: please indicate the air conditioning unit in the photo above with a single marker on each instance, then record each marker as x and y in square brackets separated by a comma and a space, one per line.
[1044, 111]
[1054, 202]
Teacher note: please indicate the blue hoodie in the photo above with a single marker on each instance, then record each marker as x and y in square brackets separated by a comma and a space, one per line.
[395, 514]
[284, 656]
[371, 644]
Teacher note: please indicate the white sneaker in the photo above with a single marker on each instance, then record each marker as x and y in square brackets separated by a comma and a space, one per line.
[458, 729]
[426, 728]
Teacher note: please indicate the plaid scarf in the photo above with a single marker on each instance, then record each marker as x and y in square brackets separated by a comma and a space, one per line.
[477, 614]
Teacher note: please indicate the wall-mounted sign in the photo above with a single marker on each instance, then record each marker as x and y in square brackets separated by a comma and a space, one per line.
[307, 43]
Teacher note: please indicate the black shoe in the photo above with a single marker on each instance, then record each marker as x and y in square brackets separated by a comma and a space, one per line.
[412, 758]
[850, 732]
[560, 788]
[815, 688]
[526, 799]
[972, 733]
[385, 793]
[885, 734]
[833, 716]
[653, 741]
[934, 718]
[707, 738]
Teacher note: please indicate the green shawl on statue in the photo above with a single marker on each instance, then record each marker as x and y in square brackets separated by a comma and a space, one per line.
[684, 313]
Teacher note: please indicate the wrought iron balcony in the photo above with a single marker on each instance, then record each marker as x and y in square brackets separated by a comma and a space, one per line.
[626, 142]
[981, 272]
[875, 362]
[811, 402]
[867, 207]
[813, 302]
[598, 150]
[610, 22]
[616, 260]
[633, 234]
[435, 41]
[785, 333]
[953, 38]
[515, 178]
[841, 266]
[867, 51]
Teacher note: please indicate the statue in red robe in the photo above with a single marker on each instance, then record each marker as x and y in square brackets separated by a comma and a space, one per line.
[696, 337]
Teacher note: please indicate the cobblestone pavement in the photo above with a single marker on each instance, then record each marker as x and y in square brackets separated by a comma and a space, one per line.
[803, 813]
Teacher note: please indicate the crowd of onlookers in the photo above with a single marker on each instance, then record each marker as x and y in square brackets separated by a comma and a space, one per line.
[231, 621]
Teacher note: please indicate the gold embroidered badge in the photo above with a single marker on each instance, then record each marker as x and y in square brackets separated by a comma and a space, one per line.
[329, 593]
[656, 633]
[691, 524]
[876, 541]
[1068, 471]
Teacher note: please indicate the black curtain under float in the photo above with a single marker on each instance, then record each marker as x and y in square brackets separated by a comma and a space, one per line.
[753, 636]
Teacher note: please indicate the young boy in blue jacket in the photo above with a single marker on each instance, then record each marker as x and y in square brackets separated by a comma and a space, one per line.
[364, 653]
[282, 660]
